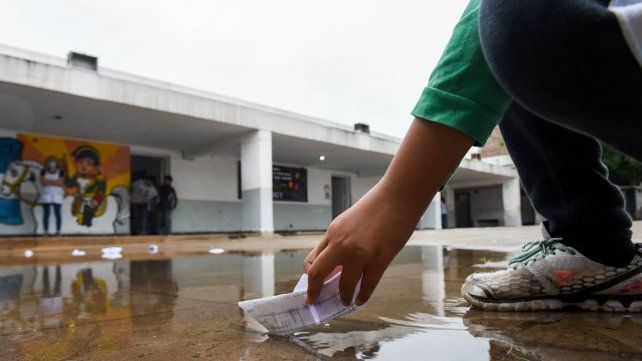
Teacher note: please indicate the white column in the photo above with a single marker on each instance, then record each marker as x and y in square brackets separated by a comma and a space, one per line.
[511, 195]
[256, 182]
[450, 205]
[435, 205]
[432, 216]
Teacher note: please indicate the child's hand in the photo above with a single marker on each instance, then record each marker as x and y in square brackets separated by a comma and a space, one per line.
[366, 238]
[363, 240]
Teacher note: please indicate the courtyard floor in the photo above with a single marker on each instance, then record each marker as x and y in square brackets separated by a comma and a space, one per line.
[181, 303]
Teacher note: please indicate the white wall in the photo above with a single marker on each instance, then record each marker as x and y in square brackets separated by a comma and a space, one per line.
[207, 188]
[317, 180]
[8, 133]
[214, 179]
[485, 204]
[361, 186]
[207, 178]
[315, 214]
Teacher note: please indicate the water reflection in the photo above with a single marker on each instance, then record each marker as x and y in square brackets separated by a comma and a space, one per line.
[51, 305]
[413, 310]
[152, 291]
[560, 335]
[186, 307]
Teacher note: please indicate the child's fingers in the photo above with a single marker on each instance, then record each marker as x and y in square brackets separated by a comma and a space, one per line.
[307, 262]
[349, 277]
[370, 280]
[325, 262]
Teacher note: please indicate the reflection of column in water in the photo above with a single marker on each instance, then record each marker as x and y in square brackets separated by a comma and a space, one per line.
[267, 274]
[432, 277]
[121, 272]
[258, 281]
[51, 305]
[120, 296]
[45, 282]
[154, 290]
[46, 288]
[258, 276]
[452, 265]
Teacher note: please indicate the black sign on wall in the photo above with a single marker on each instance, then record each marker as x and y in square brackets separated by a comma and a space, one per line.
[289, 184]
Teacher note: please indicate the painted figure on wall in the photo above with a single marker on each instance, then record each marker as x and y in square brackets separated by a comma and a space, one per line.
[88, 186]
[10, 150]
[14, 173]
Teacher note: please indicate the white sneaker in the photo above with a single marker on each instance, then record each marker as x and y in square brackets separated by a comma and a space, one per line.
[549, 275]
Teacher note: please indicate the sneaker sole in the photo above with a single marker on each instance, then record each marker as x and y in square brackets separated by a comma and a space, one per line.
[605, 303]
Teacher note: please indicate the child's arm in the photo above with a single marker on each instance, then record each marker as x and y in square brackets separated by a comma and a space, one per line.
[463, 102]
[366, 237]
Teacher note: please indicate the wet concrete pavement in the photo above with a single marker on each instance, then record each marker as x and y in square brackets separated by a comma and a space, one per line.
[184, 307]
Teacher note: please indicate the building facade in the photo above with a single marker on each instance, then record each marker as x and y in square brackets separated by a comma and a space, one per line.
[237, 166]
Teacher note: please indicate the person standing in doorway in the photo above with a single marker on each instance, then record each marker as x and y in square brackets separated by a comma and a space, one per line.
[444, 214]
[167, 203]
[138, 207]
[151, 199]
[52, 194]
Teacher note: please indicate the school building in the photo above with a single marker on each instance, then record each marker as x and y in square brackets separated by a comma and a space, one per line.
[237, 166]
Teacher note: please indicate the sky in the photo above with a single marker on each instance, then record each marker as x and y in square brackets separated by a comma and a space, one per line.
[344, 61]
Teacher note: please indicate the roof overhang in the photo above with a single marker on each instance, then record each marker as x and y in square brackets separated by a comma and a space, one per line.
[43, 95]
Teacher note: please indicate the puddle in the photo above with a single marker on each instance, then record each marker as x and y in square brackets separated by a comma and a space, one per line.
[185, 307]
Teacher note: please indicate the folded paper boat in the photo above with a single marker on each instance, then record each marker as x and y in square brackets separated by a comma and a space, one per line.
[286, 314]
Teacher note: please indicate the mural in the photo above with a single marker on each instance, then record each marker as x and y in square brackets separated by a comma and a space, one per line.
[10, 153]
[95, 178]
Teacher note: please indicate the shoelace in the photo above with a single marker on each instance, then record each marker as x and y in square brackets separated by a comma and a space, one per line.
[543, 247]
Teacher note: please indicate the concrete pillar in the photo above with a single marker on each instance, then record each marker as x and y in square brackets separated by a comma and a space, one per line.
[450, 205]
[256, 182]
[435, 206]
[432, 217]
[511, 196]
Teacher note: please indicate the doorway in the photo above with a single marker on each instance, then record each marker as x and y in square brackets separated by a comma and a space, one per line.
[462, 210]
[143, 166]
[340, 195]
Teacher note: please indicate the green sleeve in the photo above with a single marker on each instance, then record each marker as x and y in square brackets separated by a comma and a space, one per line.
[462, 92]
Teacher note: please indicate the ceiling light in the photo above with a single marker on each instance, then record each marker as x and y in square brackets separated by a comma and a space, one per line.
[322, 158]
